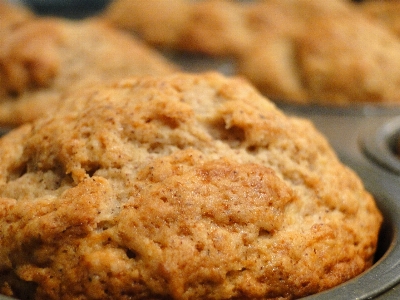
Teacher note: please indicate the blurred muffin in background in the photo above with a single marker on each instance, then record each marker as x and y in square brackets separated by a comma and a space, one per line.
[42, 57]
[385, 11]
[298, 51]
[13, 15]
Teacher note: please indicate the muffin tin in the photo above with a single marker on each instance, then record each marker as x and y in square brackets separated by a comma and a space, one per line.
[364, 138]
[381, 144]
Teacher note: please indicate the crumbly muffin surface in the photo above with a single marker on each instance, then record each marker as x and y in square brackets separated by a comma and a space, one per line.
[177, 187]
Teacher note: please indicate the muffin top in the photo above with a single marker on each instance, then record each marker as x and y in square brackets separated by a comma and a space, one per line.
[177, 187]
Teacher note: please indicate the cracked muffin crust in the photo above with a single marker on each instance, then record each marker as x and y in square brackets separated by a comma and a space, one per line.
[177, 187]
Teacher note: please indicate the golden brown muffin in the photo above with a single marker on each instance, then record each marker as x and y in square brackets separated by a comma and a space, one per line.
[177, 187]
[159, 21]
[42, 58]
[340, 57]
[213, 27]
[385, 11]
[301, 51]
[13, 15]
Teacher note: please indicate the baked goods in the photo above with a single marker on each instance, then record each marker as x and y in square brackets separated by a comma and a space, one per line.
[41, 58]
[211, 27]
[215, 27]
[335, 56]
[386, 12]
[12, 16]
[300, 51]
[177, 187]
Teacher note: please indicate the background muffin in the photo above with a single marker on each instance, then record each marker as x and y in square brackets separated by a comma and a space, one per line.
[43, 57]
[298, 51]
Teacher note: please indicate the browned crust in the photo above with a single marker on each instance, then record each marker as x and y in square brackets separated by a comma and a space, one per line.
[305, 51]
[183, 186]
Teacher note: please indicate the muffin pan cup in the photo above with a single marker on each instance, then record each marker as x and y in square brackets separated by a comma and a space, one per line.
[73, 9]
[381, 144]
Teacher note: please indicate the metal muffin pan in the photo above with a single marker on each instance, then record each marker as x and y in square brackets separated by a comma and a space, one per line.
[74, 9]
[382, 142]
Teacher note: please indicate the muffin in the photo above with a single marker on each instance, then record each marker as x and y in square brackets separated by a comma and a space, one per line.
[43, 57]
[296, 51]
[13, 15]
[387, 12]
[186, 186]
